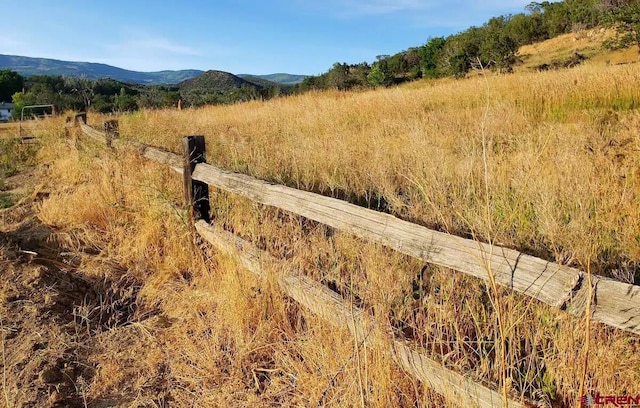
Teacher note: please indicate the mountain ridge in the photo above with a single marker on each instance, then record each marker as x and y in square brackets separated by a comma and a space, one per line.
[280, 78]
[30, 66]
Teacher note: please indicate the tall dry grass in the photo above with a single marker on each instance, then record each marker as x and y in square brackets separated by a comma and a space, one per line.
[558, 179]
[562, 152]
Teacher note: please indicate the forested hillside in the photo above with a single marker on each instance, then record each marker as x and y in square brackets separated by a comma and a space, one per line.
[493, 46]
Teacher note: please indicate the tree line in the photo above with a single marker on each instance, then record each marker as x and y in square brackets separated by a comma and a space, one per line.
[67, 93]
[492, 46]
[109, 95]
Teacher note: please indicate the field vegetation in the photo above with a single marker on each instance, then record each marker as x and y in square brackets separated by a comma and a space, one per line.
[14, 158]
[135, 313]
[544, 162]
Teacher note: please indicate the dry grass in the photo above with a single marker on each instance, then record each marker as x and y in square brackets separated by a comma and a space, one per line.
[561, 181]
[8, 130]
[416, 151]
[558, 49]
[588, 43]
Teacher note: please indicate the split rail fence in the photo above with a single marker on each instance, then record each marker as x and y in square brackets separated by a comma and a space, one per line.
[613, 303]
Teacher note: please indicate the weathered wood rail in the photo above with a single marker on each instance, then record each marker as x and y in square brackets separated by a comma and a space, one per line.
[614, 303]
[328, 305]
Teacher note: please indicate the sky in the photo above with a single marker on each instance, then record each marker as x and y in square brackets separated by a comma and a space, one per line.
[241, 36]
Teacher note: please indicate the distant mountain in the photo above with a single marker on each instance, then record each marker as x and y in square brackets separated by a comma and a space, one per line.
[284, 79]
[28, 66]
[264, 83]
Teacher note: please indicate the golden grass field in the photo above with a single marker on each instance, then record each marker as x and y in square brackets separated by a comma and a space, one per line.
[546, 163]
[8, 130]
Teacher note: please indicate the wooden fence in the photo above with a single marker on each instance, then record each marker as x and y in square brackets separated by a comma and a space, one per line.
[613, 303]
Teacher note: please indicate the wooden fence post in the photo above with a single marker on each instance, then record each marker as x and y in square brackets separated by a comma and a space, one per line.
[81, 116]
[196, 193]
[111, 131]
[67, 123]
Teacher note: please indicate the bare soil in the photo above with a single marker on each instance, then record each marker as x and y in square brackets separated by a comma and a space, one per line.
[42, 358]
[52, 314]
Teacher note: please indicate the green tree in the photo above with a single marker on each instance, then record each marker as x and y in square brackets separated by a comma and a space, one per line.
[83, 88]
[10, 83]
[19, 100]
[246, 92]
[125, 102]
[338, 76]
[358, 75]
[376, 76]
[430, 53]
[527, 28]
[395, 66]
[625, 16]
[310, 83]
[584, 13]
[498, 46]
[557, 18]
[103, 103]
[461, 51]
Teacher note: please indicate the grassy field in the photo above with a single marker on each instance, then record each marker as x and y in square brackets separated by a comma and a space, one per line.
[420, 152]
[8, 130]
[546, 163]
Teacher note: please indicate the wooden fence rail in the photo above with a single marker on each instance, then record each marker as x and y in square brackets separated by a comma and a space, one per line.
[613, 303]
[23, 139]
[328, 305]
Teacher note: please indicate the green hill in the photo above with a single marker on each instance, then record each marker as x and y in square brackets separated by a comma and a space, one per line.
[283, 79]
[218, 87]
[264, 83]
[215, 81]
[28, 66]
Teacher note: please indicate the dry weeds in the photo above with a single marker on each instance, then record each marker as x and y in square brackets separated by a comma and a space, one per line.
[561, 182]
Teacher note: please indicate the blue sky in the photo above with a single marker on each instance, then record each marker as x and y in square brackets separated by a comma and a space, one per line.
[241, 36]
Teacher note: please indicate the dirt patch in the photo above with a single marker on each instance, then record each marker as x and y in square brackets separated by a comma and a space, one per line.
[41, 299]
[51, 314]
[573, 61]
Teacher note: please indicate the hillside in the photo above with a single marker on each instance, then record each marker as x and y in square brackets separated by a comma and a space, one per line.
[284, 79]
[559, 51]
[214, 81]
[217, 87]
[558, 180]
[28, 66]
[261, 81]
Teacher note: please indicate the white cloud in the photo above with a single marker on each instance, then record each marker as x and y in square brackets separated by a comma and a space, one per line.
[153, 45]
[144, 51]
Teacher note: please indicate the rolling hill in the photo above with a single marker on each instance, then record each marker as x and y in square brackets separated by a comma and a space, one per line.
[284, 79]
[215, 81]
[223, 87]
[29, 66]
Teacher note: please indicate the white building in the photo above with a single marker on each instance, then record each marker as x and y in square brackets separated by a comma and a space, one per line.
[5, 111]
